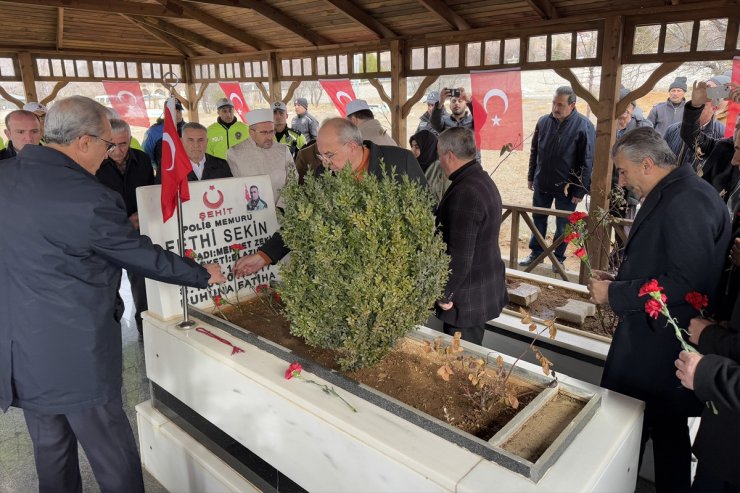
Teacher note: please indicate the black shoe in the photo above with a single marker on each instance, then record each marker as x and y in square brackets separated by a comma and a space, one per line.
[528, 259]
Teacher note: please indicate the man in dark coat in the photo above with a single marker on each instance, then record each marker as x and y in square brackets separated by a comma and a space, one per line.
[559, 166]
[124, 171]
[679, 237]
[205, 166]
[469, 216]
[339, 144]
[65, 239]
[721, 156]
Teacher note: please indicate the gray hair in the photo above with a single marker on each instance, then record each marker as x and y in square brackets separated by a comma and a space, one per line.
[345, 130]
[20, 113]
[194, 126]
[118, 125]
[458, 140]
[645, 142]
[74, 117]
[566, 91]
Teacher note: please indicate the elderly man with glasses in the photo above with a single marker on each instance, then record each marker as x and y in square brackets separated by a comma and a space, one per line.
[125, 170]
[261, 155]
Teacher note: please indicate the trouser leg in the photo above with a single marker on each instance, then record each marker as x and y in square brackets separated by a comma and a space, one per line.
[562, 204]
[105, 434]
[540, 199]
[472, 334]
[671, 451]
[55, 451]
[138, 293]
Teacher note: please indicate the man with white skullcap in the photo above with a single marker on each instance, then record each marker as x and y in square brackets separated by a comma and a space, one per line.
[260, 154]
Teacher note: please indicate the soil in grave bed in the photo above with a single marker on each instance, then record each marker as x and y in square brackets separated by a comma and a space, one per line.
[408, 373]
[554, 296]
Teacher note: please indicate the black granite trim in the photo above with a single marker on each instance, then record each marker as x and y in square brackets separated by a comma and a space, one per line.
[260, 473]
[543, 343]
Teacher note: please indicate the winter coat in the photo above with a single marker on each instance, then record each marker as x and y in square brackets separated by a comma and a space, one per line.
[469, 217]
[65, 239]
[562, 155]
[306, 124]
[679, 237]
[139, 173]
[373, 131]
[222, 137]
[665, 114]
[686, 151]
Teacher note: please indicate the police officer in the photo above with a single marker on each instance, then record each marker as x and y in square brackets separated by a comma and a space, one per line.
[284, 134]
[227, 131]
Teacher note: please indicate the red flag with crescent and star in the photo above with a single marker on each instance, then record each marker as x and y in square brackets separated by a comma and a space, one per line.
[497, 109]
[128, 101]
[233, 91]
[733, 109]
[340, 91]
[175, 165]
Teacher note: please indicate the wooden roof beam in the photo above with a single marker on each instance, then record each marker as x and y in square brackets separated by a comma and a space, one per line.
[188, 10]
[356, 14]
[169, 28]
[275, 15]
[163, 37]
[544, 9]
[60, 28]
[117, 7]
[446, 14]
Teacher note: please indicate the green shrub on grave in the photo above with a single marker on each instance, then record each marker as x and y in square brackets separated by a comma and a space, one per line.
[367, 263]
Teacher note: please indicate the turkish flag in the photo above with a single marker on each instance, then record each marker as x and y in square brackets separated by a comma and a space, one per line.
[128, 101]
[497, 109]
[733, 109]
[340, 91]
[233, 91]
[175, 166]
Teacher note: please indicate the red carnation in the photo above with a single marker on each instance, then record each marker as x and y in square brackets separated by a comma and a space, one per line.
[190, 253]
[573, 236]
[236, 247]
[293, 370]
[651, 286]
[653, 307]
[219, 300]
[577, 216]
[276, 297]
[261, 287]
[581, 252]
[697, 300]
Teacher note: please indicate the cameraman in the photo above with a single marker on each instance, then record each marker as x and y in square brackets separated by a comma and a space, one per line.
[461, 111]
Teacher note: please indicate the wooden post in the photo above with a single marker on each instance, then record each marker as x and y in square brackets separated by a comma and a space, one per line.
[27, 75]
[192, 93]
[398, 91]
[273, 77]
[601, 177]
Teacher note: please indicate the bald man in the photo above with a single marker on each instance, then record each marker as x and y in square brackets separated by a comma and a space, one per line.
[21, 128]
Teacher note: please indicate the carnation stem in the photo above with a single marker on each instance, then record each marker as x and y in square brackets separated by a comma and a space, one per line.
[328, 390]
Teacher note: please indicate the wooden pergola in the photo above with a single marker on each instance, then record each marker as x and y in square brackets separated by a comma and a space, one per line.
[273, 41]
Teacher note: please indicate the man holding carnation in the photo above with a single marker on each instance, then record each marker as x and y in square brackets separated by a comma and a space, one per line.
[678, 238]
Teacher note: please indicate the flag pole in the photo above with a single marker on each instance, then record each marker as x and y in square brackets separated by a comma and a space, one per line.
[170, 79]
[186, 322]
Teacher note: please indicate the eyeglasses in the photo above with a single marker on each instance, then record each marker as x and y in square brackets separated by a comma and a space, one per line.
[328, 156]
[110, 145]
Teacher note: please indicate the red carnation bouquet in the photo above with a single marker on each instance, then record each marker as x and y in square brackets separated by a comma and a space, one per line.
[656, 305]
[576, 233]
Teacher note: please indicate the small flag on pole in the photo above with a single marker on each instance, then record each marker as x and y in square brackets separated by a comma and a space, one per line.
[175, 164]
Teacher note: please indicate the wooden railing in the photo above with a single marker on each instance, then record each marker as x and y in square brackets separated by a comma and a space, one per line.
[518, 213]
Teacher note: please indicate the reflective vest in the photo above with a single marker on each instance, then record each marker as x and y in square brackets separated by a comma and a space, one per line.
[294, 140]
[221, 139]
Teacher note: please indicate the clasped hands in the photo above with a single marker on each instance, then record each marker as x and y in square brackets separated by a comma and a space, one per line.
[598, 286]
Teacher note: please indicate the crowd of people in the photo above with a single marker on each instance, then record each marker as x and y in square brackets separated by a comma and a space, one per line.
[67, 194]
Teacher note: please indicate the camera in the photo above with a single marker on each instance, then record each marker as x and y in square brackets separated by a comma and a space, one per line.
[717, 94]
[454, 93]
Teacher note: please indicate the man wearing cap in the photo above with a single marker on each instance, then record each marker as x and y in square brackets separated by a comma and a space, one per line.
[665, 114]
[205, 166]
[304, 122]
[461, 111]
[153, 137]
[22, 127]
[39, 110]
[284, 134]
[711, 128]
[360, 114]
[124, 170]
[425, 120]
[227, 131]
[339, 144]
[261, 155]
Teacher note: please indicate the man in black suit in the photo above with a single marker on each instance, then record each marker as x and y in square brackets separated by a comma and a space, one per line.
[205, 166]
[65, 239]
[469, 216]
[679, 237]
[124, 171]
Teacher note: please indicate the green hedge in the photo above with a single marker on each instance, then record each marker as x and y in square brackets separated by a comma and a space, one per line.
[366, 263]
